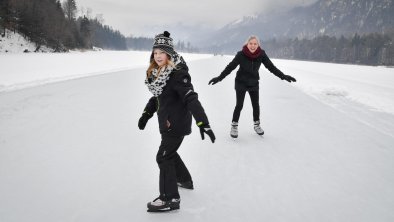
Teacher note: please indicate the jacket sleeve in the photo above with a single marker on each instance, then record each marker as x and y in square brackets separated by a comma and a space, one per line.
[151, 106]
[230, 67]
[185, 90]
[271, 67]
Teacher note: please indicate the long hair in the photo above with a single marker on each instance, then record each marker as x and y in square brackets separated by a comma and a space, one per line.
[252, 37]
[154, 65]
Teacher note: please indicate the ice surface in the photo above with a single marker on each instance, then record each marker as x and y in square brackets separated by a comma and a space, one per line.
[72, 151]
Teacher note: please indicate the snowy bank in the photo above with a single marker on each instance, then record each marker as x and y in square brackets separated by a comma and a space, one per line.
[368, 85]
[16, 43]
[21, 70]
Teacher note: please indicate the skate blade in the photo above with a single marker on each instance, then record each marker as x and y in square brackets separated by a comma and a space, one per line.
[168, 209]
[260, 134]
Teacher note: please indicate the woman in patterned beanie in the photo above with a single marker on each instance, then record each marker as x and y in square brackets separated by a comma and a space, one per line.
[249, 60]
[174, 101]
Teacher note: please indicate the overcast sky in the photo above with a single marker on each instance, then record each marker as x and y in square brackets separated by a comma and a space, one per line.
[144, 17]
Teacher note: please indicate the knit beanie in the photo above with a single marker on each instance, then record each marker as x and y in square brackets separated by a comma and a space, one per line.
[164, 42]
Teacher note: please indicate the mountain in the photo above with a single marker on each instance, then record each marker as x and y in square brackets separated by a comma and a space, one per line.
[329, 17]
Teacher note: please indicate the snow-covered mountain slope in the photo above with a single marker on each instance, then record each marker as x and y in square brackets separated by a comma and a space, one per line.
[13, 42]
[330, 17]
[71, 151]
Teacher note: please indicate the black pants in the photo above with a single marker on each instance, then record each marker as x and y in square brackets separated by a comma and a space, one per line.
[172, 168]
[254, 97]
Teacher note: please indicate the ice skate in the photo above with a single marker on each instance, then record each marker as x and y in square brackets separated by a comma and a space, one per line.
[158, 205]
[257, 128]
[234, 130]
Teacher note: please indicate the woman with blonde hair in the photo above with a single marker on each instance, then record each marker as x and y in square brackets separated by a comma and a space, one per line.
[249, 60]
[174, 101]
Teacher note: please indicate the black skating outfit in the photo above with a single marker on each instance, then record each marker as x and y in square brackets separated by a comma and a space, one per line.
[174, 101]
[247, 78]
[175, 107]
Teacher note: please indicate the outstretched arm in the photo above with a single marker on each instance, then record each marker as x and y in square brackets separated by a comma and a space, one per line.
[229, 68]
[272, 68]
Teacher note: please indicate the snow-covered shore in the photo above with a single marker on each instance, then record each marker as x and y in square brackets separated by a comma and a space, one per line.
[21, 70]
[13, 42]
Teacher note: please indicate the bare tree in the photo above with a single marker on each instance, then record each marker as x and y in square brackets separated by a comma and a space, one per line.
[89, 12]
[100, 18]
[70, 9]
[86, 12]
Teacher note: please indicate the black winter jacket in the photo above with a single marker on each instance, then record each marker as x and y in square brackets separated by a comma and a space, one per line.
[176, 104]
[248, 73]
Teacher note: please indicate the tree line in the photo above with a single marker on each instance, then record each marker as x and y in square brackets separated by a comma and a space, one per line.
[145, 44]
[55, 24]
[367, 49]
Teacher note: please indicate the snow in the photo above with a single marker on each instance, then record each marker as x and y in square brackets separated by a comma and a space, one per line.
[72, 151]
[16, 43]
[243, 19]
[43, 68]
[365, 91]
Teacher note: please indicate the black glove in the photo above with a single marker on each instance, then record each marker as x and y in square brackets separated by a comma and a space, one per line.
[143, 120]
[289, 78]
[207, 129]
[214, 81]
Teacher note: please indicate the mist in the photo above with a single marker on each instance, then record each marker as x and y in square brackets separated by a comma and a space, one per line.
[140, 19]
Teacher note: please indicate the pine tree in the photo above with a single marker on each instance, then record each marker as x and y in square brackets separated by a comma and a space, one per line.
[3, 8]
[8, 15]
[52, 23]
[86, 32]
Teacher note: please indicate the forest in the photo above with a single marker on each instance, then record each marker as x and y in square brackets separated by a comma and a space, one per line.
[55, 24]
[367, 49]
[144, 43]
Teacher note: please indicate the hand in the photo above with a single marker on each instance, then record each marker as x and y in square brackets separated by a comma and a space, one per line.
[207, 129]
[143, 120]
[289, 78]
[214, 81]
